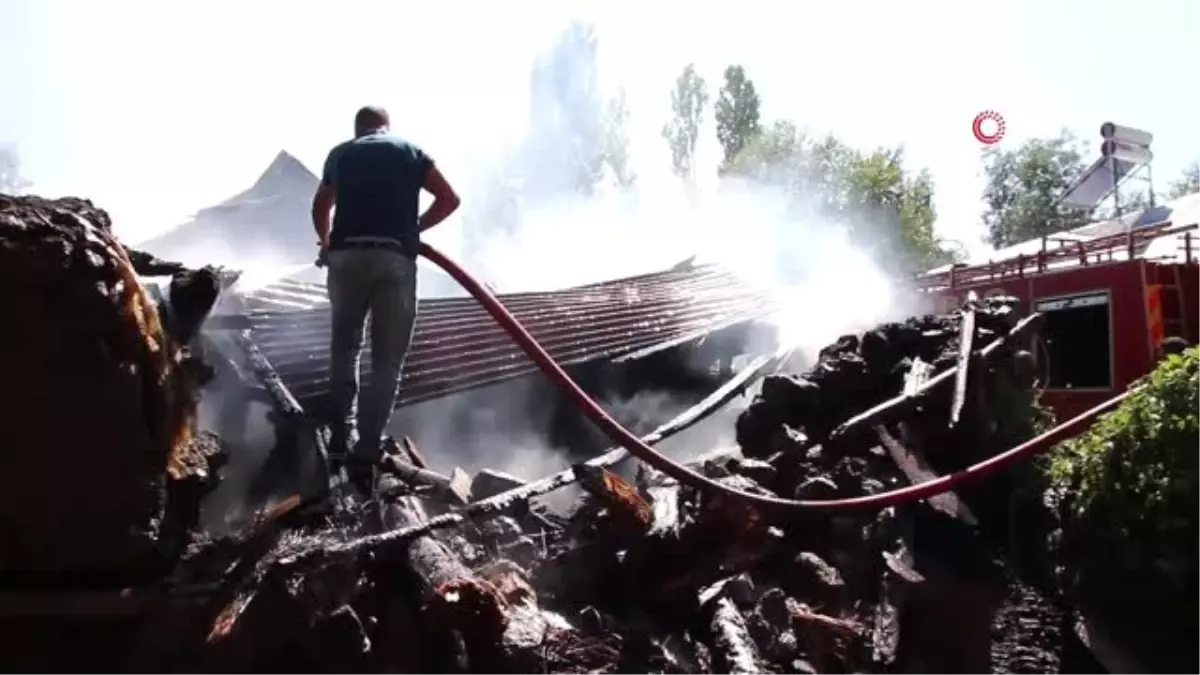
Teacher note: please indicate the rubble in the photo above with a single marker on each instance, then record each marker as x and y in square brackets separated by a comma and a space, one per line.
[648, 575]
[458, 574]
[101, 458]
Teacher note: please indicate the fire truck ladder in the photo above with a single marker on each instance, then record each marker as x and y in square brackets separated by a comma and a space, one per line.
[1166, 282]
[1181, 319]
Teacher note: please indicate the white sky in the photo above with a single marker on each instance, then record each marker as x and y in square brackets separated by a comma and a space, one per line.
[156, 109]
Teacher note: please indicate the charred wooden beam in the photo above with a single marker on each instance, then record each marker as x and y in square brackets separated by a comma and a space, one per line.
[192, 295]
[494, 612]
[453, 488]
[291, 414]
[457, 600]
[722, 537]
[966, 347]
[619, 497]
[266, 374]
[147, 264]
[914, 466]
[665, 503]
[414, 453]
[733, 648]
[434, 565]
[177, 617]
[917, 377]
[885, 625]
[805, 615]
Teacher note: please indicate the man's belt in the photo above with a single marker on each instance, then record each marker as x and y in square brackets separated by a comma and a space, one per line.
[360, 244]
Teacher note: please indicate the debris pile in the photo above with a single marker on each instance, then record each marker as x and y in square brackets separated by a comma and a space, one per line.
[452, 574]
[98, 433]
[647, 574]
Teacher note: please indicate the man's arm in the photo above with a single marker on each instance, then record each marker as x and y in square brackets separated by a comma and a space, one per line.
[322, 208]
[323, 200]
[445, 199]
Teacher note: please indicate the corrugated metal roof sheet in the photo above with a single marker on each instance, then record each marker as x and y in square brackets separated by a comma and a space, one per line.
[457, 346]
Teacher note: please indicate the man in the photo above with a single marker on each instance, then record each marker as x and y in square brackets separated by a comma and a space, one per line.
[372, 184]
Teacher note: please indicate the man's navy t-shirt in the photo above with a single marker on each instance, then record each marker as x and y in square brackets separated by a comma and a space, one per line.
[378, 179]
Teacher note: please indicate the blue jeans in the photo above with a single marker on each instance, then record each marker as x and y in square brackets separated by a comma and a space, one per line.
[381, 283]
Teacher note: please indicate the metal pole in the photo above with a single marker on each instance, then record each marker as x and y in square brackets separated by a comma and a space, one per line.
[1112, 164]
[1112, 168]
[1150, 181]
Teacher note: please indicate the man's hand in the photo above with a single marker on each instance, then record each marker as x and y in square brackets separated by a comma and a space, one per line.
[322, 254]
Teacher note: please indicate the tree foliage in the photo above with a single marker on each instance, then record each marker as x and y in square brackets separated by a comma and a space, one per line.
[615, 136]
[737, 114]
[1188, 183]
[1133, 476]
[883, 206]
[1024, 186]
[11, 180]
[576, 139]
[688, 101]
[574, 131]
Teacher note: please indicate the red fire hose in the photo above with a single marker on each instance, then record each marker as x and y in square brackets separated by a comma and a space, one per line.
[623, 437]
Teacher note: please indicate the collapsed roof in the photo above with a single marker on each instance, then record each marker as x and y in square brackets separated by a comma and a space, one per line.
[457, 346]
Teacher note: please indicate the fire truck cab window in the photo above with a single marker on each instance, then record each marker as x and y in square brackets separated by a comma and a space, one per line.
[1077, 339]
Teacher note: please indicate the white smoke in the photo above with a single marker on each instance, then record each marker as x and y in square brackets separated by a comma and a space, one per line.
[526, 226]
[290, 76]
[526, 230]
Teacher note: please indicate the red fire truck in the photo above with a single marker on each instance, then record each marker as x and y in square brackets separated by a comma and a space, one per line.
[1112, 292]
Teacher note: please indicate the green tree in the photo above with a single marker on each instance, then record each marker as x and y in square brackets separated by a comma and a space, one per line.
[737, 114]
[615, 139]
[688, 100]
[1024, 186]
[1188, 183]
[564, 150]
[884, 207]
[775, 156]
[892, 210]
[11, 180]
[574, 131]
[1133, 474]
